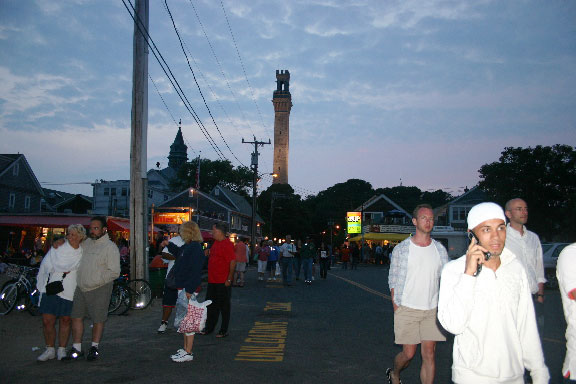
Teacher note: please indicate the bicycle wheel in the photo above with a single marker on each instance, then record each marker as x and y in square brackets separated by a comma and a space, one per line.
[115, 299]
[124, 300]
[141, 293]
[8, 297]
[33, 300]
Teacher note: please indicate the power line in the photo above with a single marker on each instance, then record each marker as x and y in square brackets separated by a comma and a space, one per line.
[196, 81]
[221, 69]
[168, 72]
[243, 68]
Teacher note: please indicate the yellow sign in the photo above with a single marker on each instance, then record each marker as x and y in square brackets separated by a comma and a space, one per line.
[354, 220]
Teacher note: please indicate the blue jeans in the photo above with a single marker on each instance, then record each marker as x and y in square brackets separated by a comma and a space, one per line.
[287, 269]
[307, 267]
[296, 266]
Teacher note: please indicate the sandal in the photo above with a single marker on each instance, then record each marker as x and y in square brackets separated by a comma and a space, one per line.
[222, 334]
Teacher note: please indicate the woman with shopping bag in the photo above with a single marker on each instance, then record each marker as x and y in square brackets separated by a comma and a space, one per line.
[188, 276]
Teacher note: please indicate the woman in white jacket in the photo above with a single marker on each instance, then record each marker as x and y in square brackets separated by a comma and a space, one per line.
[59, 265]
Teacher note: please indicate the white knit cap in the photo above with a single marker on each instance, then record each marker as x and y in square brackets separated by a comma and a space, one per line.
[484, 211]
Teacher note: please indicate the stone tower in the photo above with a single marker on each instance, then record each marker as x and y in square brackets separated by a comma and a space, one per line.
[282, 101]
[178, 151]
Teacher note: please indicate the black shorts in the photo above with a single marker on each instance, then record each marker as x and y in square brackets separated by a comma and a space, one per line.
[270, 265]
[169, 297]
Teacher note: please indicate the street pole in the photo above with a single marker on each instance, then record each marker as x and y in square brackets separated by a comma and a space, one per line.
[138, 155]
[254, 166]
[198, 191]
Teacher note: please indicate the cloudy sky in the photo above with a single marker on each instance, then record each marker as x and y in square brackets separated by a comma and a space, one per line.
[421, 92]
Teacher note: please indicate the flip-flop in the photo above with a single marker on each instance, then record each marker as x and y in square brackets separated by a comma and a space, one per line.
[221, 335]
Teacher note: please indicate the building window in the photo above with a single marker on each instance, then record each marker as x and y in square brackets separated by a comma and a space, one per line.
[106, 191]
[16, 169]
[12, 201]
[124, 191]
[165, 197]
[150, 193]
[113, 191]
[27, 203]
[460, 213]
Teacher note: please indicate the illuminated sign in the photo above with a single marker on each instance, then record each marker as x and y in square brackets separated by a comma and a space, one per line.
[171, 217]
[354, 220]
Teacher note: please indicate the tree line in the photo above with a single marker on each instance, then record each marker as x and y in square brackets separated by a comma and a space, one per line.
[544, 176]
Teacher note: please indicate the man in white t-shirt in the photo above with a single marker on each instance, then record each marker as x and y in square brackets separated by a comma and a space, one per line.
[287, 254]
[170, 295]
[566, 273]
[414, 281]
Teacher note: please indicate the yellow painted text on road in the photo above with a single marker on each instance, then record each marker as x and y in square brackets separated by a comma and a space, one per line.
[266, 341]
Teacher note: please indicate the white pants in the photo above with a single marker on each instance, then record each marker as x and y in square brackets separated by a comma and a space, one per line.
[262, 266]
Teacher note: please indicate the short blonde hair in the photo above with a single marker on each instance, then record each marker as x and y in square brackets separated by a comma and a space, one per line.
[189, 231]
[79, 229]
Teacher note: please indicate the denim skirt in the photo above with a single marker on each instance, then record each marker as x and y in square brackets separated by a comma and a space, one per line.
[55, 305]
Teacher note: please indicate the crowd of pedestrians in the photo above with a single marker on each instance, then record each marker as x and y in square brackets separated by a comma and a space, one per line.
[490, 298]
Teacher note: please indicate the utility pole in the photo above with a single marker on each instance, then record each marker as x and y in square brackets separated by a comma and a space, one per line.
[254, 167]
[138, 155]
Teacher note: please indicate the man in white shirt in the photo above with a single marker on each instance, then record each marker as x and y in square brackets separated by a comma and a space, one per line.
[287, 251]
[526, 246]
[170, 295]
[490, 309]
[566, 273]
[414, 283]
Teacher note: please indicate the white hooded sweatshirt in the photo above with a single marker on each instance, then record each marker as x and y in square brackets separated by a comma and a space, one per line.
[492, 316]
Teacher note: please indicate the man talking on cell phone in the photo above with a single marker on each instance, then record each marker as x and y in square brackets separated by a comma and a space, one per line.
[491, 311]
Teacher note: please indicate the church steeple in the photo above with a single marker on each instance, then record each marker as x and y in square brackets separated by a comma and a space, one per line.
[178, 151]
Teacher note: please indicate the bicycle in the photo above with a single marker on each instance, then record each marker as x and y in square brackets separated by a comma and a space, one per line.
[20, 292]
[129, 294]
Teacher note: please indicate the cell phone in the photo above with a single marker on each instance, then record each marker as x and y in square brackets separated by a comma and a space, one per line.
[487, 255]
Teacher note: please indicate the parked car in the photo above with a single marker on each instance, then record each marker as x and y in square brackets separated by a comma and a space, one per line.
[550, 252]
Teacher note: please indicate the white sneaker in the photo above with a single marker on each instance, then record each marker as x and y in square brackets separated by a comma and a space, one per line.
[183, 358]
[48, 354]
[162, 327]
[178, 353]
[61, 353]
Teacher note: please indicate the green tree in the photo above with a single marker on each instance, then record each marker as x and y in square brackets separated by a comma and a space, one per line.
[545, 177]
[286, 215]
[212, 173]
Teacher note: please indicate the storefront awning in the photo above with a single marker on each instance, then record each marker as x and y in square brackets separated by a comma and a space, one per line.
[44, 221]
[119, 225]
[381, 236]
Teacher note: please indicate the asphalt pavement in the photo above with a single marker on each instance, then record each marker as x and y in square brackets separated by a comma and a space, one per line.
[337, 330]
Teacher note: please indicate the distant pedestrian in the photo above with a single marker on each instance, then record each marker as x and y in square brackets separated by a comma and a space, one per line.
[272, 261]
[414, 281]
[99, 267]
[287, 251]
[263, 254]
[354, 255]
[307, 253]
[297, 260]
[490, 310]
[59, 265]
[566, 273]
[324, 257]
[241, 251]
[379, 252]
[221, 267]
[345, 256]
[170, 294]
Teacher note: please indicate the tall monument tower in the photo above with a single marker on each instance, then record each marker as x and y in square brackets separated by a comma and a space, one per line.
[282, 101]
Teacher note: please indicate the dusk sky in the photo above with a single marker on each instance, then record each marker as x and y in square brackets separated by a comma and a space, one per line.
[423, 91]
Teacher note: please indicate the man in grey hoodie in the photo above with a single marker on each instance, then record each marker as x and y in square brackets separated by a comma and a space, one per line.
[99, 267]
